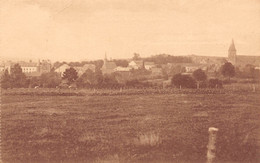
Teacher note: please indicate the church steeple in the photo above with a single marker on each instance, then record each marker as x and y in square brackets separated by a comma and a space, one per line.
[232, 53]
[105, 59]
[105, 56]
[232, 46]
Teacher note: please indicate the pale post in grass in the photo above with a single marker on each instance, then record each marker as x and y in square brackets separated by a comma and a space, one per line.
[0, 119]
[211, 153]
[253, 87]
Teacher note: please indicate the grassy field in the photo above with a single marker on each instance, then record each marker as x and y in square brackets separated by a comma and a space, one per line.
[129, 128]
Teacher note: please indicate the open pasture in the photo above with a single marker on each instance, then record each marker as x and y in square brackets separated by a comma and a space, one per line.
[129, 128]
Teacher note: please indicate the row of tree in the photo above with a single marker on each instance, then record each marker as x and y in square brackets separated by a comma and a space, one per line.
[197, 80]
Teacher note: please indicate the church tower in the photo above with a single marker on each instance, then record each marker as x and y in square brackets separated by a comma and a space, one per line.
[232, 53]
[105, 59]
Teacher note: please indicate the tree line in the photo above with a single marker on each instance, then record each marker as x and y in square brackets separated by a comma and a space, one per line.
[95, 79]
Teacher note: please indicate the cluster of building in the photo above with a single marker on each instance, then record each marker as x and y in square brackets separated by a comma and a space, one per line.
[209, 64]
[29, 68]
[111, 67]
[80, 69]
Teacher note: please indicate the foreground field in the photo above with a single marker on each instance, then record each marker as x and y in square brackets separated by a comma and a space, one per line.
[129, 128]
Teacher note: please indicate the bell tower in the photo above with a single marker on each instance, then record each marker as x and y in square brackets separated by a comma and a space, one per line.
[232, 53]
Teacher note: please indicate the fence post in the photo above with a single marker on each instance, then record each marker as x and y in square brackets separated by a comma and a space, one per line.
[211, 153]
[253, 87]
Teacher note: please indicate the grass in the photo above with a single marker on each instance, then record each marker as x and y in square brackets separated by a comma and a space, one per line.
[129, 128]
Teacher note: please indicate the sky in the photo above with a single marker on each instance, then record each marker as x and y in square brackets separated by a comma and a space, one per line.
[76, 30]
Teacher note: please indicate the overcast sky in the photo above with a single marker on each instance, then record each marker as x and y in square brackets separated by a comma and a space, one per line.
[85, 29]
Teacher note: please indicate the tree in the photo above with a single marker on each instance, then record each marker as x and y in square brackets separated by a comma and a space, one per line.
[70, 74]
[183, 81]
[98, 76]
[136, 56]
[18, 78]
[6, 80]
[249, 71]
[176, 70]
[87, 79]
[109, 80]
[215, 83]
[228, 70]
[122, 63]
[200, 76]
[34, 81]
[50, 79]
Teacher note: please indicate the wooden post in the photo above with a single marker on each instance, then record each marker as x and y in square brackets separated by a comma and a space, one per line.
[211, 153]
[253, 87]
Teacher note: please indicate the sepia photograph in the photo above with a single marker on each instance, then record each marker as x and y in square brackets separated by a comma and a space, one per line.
[129, 81]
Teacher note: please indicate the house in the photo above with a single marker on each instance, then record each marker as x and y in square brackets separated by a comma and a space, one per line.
[5, 66]
[60, 70]
[156, 71]
[122, 69]
[190, 69]
[29, 67]
[89, 66]
[108, 66]
[2, 69]
[44, 66]
[149, 65]
[137, 64]
[257, 68]
[82, 69]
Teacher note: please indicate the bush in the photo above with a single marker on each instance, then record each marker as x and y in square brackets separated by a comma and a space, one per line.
[137, 83]
[204, 84]
[229, 81]
[215, 83]
[185, 81]
[248, 81]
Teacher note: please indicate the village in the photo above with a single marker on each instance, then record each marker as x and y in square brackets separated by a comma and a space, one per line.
[161, 108]
[157, 70]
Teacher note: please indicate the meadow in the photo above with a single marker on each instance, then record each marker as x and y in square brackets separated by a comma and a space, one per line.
[155, 126]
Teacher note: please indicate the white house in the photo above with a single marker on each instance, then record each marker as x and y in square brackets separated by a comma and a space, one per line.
[81, 69]
[29, 67]
[191, 68]
[149, 65]
[136, 64]
[121, 69]
[62, 69]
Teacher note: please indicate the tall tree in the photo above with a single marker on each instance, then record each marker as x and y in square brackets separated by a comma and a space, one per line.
[183, 81]
[18, 78]
[136, 56]
[70, 74]
[121, 62]
[50, 79]
[98, 76]
[200, 76]
[87, 79]
[6, 80]
[228, 70]
[248, 71]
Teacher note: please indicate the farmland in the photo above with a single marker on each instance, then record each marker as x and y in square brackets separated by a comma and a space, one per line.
[129, 127]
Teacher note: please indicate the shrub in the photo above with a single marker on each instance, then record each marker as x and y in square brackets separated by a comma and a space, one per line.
[137, 83]
[229, 81]
[185, 81]
[215, 83]
[150, 139]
